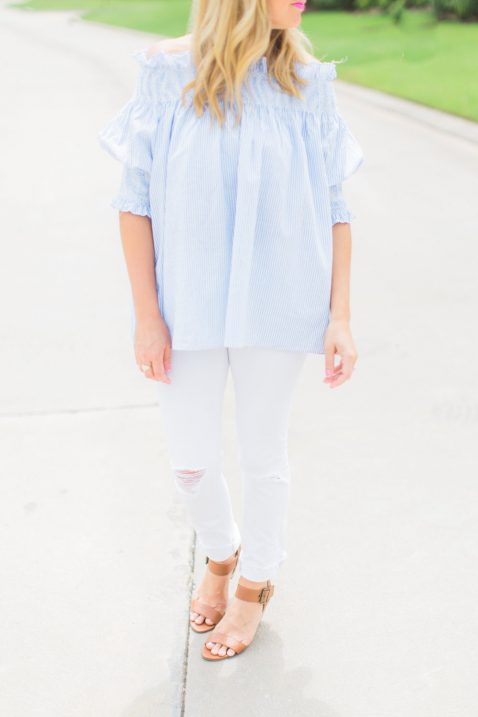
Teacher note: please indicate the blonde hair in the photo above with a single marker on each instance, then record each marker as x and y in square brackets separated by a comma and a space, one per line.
[227, 36]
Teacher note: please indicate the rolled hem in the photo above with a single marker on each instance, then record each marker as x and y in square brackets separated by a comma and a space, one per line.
[222, 552]
[251, 572]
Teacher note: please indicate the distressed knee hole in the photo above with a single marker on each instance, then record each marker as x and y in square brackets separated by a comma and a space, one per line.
[187, 479]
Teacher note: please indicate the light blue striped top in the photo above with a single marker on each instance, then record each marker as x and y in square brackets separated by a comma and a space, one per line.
[241, 215]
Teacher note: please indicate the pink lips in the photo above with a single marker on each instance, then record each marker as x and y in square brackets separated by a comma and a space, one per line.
[299, 5]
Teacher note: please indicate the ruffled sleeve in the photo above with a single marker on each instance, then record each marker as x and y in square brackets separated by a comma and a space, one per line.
[128, 137]
[338, 206]
[343, 154]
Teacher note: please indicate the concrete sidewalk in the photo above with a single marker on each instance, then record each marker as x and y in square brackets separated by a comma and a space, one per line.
[375, 613]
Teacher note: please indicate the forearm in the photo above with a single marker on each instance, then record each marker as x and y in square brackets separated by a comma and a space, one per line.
[340, 290]
[138, 249]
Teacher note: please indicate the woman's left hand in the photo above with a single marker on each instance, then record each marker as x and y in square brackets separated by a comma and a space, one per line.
[338, 339]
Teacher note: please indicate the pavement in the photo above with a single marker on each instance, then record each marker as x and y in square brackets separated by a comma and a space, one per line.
[375, 614]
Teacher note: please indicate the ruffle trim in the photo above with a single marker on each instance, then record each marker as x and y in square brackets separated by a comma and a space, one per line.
[183, 58]
[128, 205]
[342, 216]
[162, 58]
[324, 70]
[128, 135]
[343, 153]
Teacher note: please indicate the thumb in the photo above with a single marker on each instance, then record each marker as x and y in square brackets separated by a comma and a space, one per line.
[329, 360]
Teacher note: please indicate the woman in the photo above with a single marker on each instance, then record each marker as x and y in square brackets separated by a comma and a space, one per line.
[237, 241]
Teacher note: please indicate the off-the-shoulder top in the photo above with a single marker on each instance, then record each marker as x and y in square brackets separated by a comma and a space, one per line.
[241, 215]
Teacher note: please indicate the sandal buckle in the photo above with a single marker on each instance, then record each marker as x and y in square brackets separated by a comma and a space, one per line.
[264, 594]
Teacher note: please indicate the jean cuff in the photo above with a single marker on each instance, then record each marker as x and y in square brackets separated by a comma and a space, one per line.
[223, 551]
[252, 571]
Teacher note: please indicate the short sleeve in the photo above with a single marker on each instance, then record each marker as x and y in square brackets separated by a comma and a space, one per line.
[339, 209]
[128, 137]
[343, 154]
[133, 193]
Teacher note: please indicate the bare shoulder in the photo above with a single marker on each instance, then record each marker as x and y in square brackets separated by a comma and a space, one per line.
[309, 58]
[170, 44]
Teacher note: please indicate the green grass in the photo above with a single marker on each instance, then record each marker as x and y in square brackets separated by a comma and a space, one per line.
[433, 63]
[165, 17]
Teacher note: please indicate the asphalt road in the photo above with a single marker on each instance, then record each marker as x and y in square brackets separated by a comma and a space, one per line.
[375, 614]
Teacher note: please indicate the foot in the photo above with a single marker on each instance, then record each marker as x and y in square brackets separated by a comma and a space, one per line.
[241, 620]
[213, 590]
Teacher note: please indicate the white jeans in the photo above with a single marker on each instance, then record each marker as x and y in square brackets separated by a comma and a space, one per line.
[191, 414]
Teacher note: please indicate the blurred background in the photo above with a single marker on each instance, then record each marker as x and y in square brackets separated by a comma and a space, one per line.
[376, 613]
[419, 50]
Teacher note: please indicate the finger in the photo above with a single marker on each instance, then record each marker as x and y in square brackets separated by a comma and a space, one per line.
[329, 360]
[336, 371]
[338, 380]
[347, 364]
[141, 362]
[148, 373]
[167, 357]
[348, 360]
[331, 373]
[158, 368]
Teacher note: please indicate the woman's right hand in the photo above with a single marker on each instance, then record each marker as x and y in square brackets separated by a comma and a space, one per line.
[152, 345]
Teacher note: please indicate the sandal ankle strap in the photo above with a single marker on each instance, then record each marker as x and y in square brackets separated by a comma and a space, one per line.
[223, 568]
[261, 595]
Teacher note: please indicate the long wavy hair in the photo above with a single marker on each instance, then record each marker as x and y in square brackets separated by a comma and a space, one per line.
[227, 36]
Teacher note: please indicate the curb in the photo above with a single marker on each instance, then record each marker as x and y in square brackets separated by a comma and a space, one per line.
[445, 122]
[437, 119]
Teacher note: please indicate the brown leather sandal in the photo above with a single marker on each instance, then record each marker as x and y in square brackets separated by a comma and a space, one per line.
[262, 595]
[213, 613]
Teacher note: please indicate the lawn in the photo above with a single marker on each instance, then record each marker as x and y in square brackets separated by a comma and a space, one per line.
[435, 64]
[166, 17]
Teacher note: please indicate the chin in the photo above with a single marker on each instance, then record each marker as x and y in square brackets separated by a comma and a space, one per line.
[296, 21]
[289, 26]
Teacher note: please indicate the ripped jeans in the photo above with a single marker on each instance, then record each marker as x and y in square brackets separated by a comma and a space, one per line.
[191, 416]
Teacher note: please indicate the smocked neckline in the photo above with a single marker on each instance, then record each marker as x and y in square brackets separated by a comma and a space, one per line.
[160, 57]
[316, 68]
[259, 67]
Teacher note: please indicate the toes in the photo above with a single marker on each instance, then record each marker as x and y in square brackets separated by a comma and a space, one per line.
[209, 621]
[199, 620]
[217, 649]
[194, 615]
